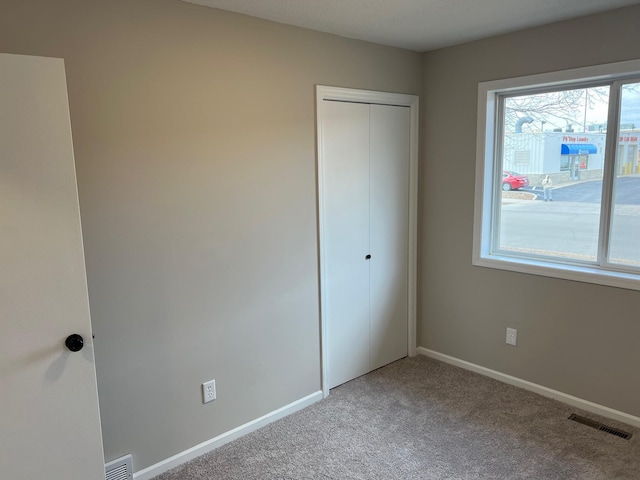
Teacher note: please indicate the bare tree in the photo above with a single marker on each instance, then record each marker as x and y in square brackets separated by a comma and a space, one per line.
[555, 110]
[562, 109]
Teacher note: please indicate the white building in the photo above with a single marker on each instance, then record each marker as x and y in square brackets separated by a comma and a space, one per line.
[571, 156]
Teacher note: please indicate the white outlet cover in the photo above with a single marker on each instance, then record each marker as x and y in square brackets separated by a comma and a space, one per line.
[512, 336]
[209, 391]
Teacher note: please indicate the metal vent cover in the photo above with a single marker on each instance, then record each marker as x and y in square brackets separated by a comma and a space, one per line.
[119, 469]
[600, 426]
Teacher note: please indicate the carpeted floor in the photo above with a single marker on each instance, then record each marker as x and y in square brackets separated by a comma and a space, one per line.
[422, 419]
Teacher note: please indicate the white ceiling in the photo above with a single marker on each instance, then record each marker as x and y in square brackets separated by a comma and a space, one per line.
[416, 24]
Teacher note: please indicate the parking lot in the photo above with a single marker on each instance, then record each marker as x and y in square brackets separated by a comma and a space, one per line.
[568, 227]
[627, 191]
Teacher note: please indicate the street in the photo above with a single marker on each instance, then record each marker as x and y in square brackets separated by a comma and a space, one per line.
[627, 191]
[568, 226]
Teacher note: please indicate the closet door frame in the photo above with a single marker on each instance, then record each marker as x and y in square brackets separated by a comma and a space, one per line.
[324, 93]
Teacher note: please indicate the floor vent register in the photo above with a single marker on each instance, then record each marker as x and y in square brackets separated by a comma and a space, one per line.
[600, 426]
[119, 469]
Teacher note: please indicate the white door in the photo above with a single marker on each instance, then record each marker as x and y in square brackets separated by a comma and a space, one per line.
[49, 418]
[365, 171]
[346, 238]
[389, 233]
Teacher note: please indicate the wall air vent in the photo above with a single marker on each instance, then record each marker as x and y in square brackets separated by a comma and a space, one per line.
[600, 426]
[119, 469]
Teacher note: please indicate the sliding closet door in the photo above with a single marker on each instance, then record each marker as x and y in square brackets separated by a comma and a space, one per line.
[346, 238]
[389, 232]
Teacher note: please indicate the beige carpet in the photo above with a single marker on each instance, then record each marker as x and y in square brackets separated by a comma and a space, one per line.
[422, 419]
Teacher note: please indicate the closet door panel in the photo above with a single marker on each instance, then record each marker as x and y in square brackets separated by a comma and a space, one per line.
[389, 227]
[346, 238]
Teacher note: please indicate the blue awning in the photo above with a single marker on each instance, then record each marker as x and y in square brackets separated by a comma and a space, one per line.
[578, 149]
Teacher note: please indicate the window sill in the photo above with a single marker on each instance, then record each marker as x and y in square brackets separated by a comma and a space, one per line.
[579, 273]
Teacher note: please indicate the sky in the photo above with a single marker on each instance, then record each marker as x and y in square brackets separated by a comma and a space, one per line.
[554, 108]
[630, 112]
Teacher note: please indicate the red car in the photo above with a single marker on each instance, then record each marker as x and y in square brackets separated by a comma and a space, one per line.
[513, 181]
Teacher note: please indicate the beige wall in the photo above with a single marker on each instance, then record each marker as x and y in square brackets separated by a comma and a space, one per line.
[573, 337]
[194, 134]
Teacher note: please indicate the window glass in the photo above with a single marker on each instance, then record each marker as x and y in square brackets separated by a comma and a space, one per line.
[558, 175]
[624, 245]
[552, 153]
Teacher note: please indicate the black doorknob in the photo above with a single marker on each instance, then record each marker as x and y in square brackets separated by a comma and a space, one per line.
[74, 342]
[368, 257]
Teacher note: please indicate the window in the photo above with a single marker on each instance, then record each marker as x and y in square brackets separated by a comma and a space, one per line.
[572, 210]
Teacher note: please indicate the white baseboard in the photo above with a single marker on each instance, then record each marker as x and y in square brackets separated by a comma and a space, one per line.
[533, 387]
[205, 447]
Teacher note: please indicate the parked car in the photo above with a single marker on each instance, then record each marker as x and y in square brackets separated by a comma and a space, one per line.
[513, 180]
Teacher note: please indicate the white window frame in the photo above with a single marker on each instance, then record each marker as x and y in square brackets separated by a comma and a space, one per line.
[488, 170]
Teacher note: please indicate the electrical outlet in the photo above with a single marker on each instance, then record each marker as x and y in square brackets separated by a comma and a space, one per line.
[209, 391]
[512, 336]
